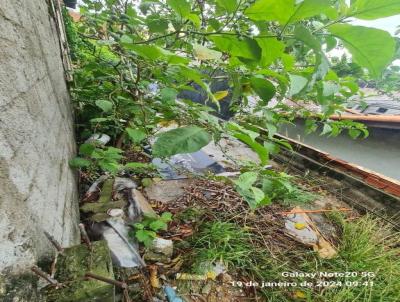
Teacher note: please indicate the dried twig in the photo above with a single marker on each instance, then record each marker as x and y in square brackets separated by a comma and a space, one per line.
[44, 275]
[120, 284]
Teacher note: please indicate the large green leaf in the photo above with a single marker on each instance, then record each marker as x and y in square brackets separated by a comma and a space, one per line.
[265, 89]
[261, 151]
[246, 48]
[229, 5]
[182, 7]
[271, 10]
[371, 48]
[297, 83]
[151, 52]
[310, 8]
[321, 62]
[271, 49]
[374, 9]
[136, 135]
[181, 140]
[203, 53]
[104, 105]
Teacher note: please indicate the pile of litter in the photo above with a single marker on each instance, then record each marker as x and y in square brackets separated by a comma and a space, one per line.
[208, 242]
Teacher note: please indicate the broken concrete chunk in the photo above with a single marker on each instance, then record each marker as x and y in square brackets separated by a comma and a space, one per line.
[167, 190]
[97, 207]
[162, 246]
[142, 203]
[156, 257]
[71, 269]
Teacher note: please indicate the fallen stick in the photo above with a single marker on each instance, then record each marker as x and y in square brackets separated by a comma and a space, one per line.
[44, 275]
[315, 211]
[85, 236]
[54, 242]
[120, 284]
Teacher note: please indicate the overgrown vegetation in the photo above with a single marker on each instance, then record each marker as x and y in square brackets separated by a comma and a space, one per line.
[133, 60]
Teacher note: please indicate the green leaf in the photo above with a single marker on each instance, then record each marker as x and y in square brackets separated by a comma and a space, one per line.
[168, 95]
[145, 236]
[151, 52]
[181, 140]
[258, 195]
[158, 225]
[246, 48]
[246, 180]
[261, 151]
[195, 20]
[181, 7]
[310, 8]
[219, 95]
[99, 119]
[264, 89]
[86, 149]
[136, 135]
[354, 133]
[271, 49]
[138, 165]
[271, 10]
[156, 25]
[297, 83]
[104, 105]
[79, 162]
[229, 5]
[193, 75]
[329, 88]
[166, 216]
[371, 48]
[203, 53]
[374, 9]
[109, 166]
[138, 226]
[327, 129]
[303, 34]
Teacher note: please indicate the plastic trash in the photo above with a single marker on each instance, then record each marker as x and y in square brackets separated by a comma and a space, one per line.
[99, 138]
[171, 294]
[195, 163]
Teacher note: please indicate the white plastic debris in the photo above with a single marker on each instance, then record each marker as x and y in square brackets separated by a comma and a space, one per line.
[124, 250]
[99, 138]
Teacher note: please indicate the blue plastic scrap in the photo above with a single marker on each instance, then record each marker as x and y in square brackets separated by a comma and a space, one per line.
[171, 294]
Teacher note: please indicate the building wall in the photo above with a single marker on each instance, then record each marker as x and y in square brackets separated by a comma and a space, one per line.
[38, 190]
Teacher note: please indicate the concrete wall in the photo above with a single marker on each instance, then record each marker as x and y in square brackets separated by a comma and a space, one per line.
[37, 188]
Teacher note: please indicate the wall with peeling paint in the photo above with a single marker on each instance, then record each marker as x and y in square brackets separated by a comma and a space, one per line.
[37, 188]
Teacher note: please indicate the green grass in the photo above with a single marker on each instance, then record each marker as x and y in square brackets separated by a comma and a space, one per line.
[221, 242]
[365, 246]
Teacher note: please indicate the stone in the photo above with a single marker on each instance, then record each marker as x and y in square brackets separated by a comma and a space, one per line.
[71, 269]
[155, 257]
[142, 203]
[162, 246]
[167, 190]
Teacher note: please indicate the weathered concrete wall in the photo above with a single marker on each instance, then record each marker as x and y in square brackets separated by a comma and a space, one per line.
[37, 188]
